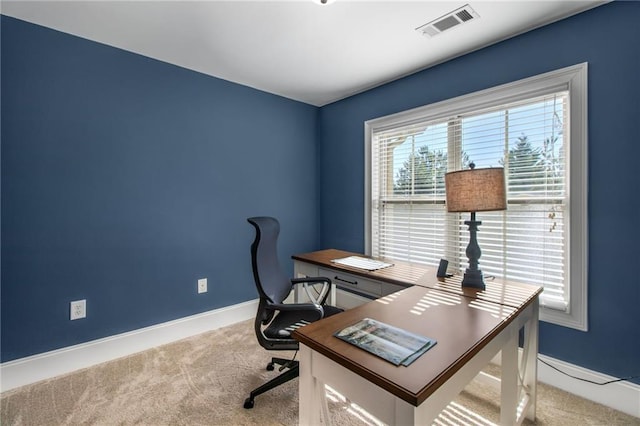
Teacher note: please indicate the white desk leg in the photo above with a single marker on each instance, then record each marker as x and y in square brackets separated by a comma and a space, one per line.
[509, 382]
[309, 399]
[425, 414]
[332, 295]
[530, 378]
[321, 394]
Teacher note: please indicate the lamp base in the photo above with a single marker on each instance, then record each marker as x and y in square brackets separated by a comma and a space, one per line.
[473, 279]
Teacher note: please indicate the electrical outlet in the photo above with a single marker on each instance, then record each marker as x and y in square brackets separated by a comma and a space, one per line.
[202, 285]
[78, 309]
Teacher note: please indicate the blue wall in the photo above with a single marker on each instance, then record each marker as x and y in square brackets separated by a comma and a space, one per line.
[125, 179]
[607, 38]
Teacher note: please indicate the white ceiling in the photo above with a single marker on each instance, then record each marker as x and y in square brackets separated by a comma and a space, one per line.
[312, 53]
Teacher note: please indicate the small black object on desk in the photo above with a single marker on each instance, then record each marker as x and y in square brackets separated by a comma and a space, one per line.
[442, 269]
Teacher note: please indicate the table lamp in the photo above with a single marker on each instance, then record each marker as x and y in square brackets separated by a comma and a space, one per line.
[475, 190]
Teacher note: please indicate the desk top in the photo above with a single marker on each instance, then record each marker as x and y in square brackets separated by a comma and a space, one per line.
[407, 274]
[463, 321]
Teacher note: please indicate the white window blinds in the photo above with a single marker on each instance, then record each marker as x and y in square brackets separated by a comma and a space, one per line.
[528, 241]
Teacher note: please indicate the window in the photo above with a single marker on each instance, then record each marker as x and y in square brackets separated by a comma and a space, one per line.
[534, 128]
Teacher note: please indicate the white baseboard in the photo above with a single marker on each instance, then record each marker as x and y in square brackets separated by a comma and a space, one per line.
[622, 396]
[46, 365]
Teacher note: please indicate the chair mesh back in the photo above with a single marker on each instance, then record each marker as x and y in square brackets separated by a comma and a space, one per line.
[271, 282]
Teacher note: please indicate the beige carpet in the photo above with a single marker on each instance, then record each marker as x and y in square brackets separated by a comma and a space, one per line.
[204, 380]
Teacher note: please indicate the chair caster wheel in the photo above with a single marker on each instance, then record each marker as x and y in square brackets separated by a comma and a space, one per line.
[270, 366]
[248, 403]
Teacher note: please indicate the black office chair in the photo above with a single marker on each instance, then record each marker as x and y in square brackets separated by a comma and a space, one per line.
[276, 320]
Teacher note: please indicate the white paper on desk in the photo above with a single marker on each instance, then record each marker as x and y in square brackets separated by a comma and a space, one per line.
[362, 263]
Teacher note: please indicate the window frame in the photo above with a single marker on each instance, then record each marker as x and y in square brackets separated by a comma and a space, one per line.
[574, 79]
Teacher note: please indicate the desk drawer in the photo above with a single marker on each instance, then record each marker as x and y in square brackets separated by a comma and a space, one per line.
[353, 282]
[346, 299]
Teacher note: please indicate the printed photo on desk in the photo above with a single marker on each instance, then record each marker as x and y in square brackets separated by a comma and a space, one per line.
[398, 346]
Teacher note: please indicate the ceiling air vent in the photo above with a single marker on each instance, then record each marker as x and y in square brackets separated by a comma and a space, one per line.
[450, 20]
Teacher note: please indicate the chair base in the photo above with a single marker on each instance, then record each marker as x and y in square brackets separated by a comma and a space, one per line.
[292, 372]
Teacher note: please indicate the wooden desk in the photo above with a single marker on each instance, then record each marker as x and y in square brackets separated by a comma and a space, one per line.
[471, 327]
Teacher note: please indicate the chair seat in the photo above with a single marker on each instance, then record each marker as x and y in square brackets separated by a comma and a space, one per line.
[285, 322]
[331, 310]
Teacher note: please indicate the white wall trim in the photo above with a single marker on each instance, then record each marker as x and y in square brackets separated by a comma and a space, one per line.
[622, 396]
[46, 365]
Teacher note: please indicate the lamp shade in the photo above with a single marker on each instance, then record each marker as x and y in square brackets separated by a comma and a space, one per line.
[476, 190]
